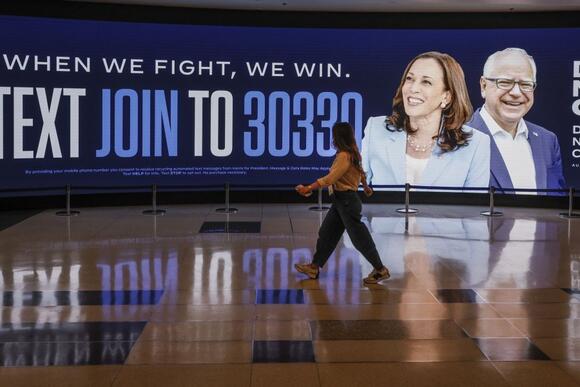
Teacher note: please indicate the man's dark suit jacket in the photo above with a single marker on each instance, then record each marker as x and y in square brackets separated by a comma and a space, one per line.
[545, 152]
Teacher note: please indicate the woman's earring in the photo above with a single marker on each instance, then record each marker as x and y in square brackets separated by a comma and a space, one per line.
[443, 104]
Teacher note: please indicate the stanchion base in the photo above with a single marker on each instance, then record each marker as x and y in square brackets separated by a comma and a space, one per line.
[566, 215]
[407, 210]
[70, 213]
[319, 208]
[493, 214]
[230, 210]
[154, 212]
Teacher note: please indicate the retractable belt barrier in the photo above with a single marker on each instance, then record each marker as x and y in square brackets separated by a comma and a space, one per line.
[407, 210]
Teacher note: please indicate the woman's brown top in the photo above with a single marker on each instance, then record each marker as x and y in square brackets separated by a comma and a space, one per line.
[343, 175]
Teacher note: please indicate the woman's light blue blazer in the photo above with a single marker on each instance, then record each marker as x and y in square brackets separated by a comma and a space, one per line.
[384, 159]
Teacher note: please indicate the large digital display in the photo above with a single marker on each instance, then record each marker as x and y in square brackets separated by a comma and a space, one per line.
[118, 103]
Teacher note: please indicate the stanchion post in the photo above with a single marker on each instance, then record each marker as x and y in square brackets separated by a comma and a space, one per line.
[490, 228]
[407, 197]
[570, 214]
[154, 211]
[407, 210]
[319, 207]
[227, 209]
[67, 211]
[492, 211]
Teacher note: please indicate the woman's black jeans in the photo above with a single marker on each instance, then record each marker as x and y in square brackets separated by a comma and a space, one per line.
[345, 213]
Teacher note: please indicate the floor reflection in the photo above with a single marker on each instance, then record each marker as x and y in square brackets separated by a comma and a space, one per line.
[109, 287]
[67, 344]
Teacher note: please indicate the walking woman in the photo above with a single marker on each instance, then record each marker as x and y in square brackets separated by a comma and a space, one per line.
[342, 181]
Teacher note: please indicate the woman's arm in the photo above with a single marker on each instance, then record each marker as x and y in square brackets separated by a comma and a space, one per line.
[368, 190]
[339, 168]
[307, 190]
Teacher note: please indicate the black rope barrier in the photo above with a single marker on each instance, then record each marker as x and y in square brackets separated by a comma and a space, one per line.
[266, 186]
[33, 189]
[481, 189]
[189, 186]
[532, 189]
[227, 188]
[448, 188]
[373, 186]
[111, 187]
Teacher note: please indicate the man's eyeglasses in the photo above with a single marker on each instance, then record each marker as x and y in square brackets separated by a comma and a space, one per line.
[508, 84]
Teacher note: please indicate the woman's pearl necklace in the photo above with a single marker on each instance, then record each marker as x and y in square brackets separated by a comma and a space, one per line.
[419, 147]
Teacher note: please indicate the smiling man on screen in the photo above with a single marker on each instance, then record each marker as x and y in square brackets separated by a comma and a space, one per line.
[523, 154]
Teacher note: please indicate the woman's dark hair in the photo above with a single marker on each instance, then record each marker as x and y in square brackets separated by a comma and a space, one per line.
[455, 114]
[343, 141]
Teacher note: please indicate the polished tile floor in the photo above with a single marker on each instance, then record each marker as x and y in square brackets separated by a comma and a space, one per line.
[196, 298]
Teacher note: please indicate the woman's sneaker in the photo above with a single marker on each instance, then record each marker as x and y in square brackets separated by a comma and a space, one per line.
[377, 276]
[309, 269]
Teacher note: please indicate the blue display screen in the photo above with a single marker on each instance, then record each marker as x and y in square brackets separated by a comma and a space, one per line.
[118, 103]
